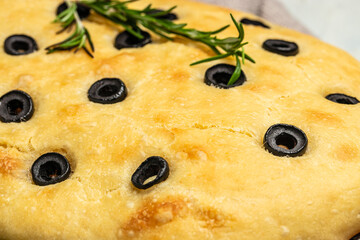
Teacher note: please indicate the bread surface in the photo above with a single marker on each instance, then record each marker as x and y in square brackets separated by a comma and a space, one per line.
[223, 184]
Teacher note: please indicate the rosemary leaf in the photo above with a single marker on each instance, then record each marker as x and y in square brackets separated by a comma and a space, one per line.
[211, 59]
[76, 40]
[235, 76]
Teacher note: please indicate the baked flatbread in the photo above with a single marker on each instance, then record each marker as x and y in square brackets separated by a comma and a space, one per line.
[223, 182]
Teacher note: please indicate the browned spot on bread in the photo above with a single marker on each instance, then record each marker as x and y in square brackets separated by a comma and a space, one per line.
[211, 218]
[321, 117]
[161, 117]
[195, 152]
[72, 110]
[180, 76]
[49, 193]
[346, 152]
[153, 214]
[8, 163]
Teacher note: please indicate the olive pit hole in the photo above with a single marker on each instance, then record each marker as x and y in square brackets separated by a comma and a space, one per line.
[108, 90]
[286, 141]
[50, 170]
[150, 174]
[150, 179]
[20, 46]
[279, 45]
[15, 107]
[222, 77]
[344, 101]
[131, 40]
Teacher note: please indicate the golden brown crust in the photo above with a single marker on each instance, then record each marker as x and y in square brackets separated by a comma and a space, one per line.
[223, 184]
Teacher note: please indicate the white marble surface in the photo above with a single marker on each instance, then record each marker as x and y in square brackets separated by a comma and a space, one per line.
[334, 21]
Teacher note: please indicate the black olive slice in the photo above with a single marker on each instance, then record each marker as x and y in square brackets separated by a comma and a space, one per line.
[151, 167]
[285, 140]
[248, 21]
[356, 237]
[281, 47]
[81, 9]
[50, 168]
[127, 40]
[107, 91]
[16, 106]
[20, 45]
[342, 99]
[169, 16]
[220, 74]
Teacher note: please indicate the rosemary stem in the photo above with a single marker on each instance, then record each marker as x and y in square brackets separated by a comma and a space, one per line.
[76, 15]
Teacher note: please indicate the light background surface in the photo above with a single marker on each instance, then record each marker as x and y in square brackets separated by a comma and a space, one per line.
[334, 21]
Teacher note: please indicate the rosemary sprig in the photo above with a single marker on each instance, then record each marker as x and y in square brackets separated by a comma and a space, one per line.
[231, 47]
[131, 19]
[80, 36]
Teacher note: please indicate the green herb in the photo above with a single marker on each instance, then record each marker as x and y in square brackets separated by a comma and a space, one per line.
[231, 47]
[79, 38]
[131, 19]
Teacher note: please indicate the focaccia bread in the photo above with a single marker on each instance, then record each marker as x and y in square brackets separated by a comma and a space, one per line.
[224, 167]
